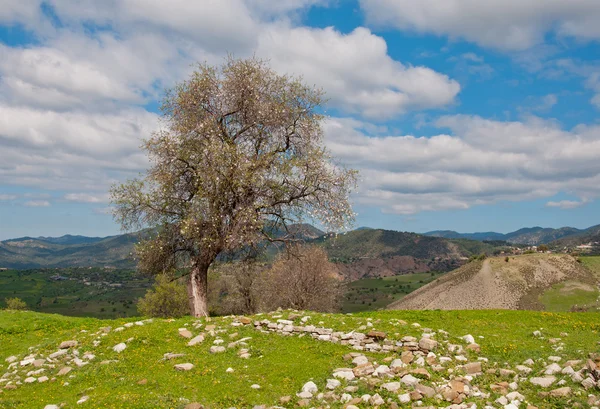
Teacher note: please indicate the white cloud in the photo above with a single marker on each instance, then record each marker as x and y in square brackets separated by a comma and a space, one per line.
[5, 197]
[355, 70]
[37, 203]
[481, 162]
[86, 198]
[501, 24]
[566, 204]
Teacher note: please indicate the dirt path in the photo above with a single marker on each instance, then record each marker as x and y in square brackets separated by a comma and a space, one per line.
[484, 289]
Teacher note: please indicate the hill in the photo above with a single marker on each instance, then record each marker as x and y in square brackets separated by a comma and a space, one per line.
[590, 236]
[531, 236]
[364, 252]
[535, 281]
[68, 251]
[383, 253]
[329, 360]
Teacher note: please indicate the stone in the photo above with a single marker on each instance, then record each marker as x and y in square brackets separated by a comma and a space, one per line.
[30, 380]
[474, 347]
[57, 354]
[310, 387]
[142, 381]
[560, 392]
[255, 386]
[68, 344]
[65, 370]
[473, 368]
[83, 400]
[184, 367]
[391, 386]
[404, 398]
[346, 374]
[42, 379]
[407, 357]
[469, 339]
[360, 360]
[184, 332]
[552, 369]
[363, 370]
[428, 344]
[38, 362]
[119, 347]
[544, 382]
[378, 335]
[196, 340]
[194, 405]
[425, 390]
[245, 320]
[216, 349]
[51, 407]
[304, 395]
[409, 380]
[588, 383]
[11, 359]
[333, 384]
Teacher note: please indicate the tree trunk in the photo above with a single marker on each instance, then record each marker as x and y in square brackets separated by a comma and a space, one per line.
[198, 290]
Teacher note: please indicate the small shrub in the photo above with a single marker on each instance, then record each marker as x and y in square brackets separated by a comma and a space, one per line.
[168, 298]
[506, 259]
[15, 304]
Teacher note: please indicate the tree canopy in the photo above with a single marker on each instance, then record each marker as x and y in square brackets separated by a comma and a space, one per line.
[239, 154]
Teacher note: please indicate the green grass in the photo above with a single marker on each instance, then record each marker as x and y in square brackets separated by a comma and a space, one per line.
[592, 263]
[562, 298]
[281, 365]
[376, 293]
[72, 296]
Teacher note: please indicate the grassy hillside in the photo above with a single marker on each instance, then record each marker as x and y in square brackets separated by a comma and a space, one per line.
[140, 377]
[375, 243]
[91, 292]
[375, 293]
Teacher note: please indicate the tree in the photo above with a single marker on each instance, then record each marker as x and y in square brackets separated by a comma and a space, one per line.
[238, 157]
[166, 299]
[241, 282]
[543, 248]
[15, 304]
[303, 279]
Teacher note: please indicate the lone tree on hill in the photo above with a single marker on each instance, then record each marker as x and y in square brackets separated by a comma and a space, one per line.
[239, 155]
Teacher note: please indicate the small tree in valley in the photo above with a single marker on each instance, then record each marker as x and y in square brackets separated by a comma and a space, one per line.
[239, 155]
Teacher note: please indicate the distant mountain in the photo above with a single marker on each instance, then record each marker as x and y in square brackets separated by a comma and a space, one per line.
[589, 235]
[68, 251]
[531, 236]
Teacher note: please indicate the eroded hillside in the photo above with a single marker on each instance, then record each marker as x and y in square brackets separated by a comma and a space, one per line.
[519, 283]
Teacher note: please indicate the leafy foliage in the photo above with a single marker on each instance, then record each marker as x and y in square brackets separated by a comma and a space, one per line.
[166, 299]
[15, 304]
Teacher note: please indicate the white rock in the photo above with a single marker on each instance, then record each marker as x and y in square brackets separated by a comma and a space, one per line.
[404, 398]
[42, 379]
[469, 339]
[554, 358]
[83, 400]
[391, 386]
[409, 380]
[51, 407]
[229, 370]
[184, 367]
[332, 384]
[255, 386]
[30, 380]
[544, 382]
[310, 387]
[215, 349]
[552, 369]
[360, 360]
[346, 397]
[119, 347]
[346, 374]
[196, 340]
[11, 359]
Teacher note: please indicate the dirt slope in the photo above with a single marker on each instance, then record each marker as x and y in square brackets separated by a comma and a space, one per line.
[497, 284]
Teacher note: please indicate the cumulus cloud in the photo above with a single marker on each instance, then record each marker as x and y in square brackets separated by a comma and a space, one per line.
[480, 161]
[501, 24]
[5, 197]
[356, 70]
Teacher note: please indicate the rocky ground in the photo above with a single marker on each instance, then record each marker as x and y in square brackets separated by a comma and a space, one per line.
[411, 366]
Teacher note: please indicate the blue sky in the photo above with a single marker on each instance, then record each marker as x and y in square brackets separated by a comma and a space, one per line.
[475, 116]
